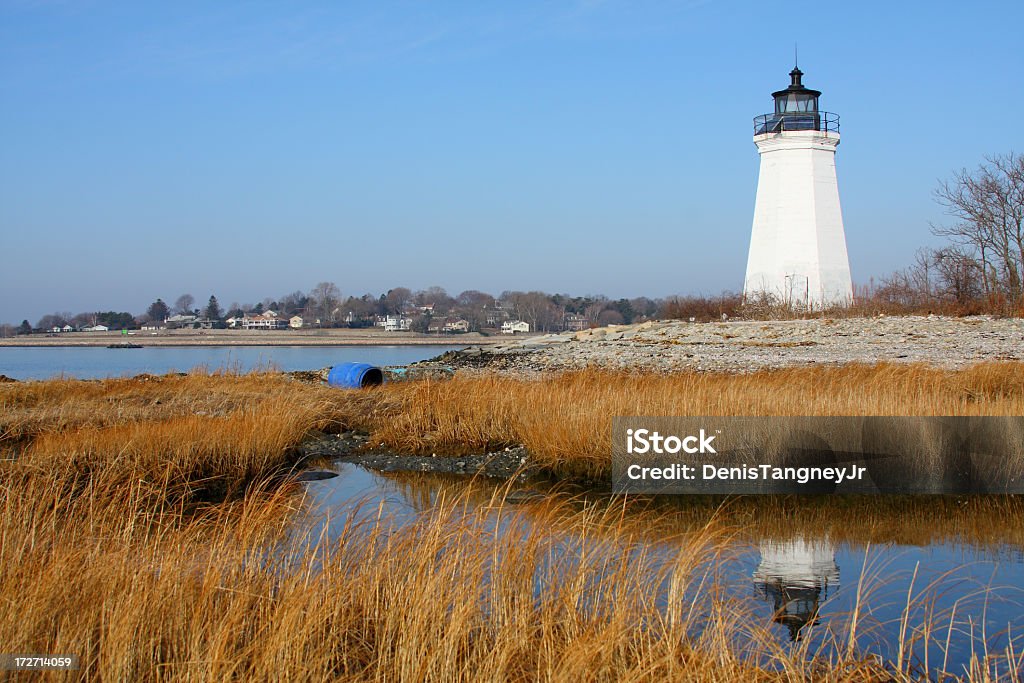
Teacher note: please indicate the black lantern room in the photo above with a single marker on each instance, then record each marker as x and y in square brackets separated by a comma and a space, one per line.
[796, 108]
[796, 99]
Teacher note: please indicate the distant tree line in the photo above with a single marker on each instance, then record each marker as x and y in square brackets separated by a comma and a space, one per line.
[324, 306]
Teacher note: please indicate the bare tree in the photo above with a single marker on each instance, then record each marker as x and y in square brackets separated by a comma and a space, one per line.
[436, 297]
[610, 316]
[593, 311]
[52, 320]
[362, 309]
[988, 207]
[325, 298]
[185, 304]
[396, 300]
[537, 309]
[959, 274]
[472, 305]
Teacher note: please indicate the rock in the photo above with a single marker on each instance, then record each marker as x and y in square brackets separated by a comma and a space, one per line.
[518, 496]
[314, 475]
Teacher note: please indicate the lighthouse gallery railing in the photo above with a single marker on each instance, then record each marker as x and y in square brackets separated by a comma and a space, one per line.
[823, 121]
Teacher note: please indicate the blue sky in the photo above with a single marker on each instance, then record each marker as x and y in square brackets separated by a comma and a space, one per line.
[252, 149]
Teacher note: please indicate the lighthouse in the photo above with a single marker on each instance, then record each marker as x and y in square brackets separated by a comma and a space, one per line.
[797, 244]
[796, 576]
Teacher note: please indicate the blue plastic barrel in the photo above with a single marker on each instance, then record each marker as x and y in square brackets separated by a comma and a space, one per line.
[354, 376]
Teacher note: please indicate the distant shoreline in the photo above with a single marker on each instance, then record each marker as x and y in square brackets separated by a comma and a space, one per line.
[185, 338]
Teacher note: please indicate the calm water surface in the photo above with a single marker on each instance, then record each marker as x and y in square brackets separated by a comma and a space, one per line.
[91, 363]
[799, 581]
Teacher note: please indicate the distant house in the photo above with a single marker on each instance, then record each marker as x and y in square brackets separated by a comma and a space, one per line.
[456, 325]
[296, 322]
[397, 323]
[574, 322]
[448, 326]
[514, 327]
[154, 325]
[96, 328]
[495, 315]
[67, 328]
[176, 321]
[268, 320]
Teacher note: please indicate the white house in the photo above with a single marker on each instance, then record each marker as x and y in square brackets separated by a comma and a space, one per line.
[264, 321]
[96, 328]
[67, 328]
[394, 323]
[295, 322]
[574, 322]
[514, 327]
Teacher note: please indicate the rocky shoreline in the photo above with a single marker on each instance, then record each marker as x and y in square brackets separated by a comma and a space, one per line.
[354, 447]
[748, 346]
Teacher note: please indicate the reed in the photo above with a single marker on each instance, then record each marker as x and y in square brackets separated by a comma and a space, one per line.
[461, 593]
[565, 422]
[192, 438]
[145, 525]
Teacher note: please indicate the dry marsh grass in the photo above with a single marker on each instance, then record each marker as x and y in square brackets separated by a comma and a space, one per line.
[565, 421]
[481, 593]
[144, 527]
[194, 438]
[459, 593]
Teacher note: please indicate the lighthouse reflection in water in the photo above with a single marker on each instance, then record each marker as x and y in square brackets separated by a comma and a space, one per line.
[796, 576]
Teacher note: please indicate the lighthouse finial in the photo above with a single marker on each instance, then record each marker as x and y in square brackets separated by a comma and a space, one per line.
[796, 54]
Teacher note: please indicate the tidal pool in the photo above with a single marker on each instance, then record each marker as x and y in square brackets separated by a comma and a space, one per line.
[803, 566]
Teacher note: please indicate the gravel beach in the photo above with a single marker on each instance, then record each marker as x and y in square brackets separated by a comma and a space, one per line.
[747, 346]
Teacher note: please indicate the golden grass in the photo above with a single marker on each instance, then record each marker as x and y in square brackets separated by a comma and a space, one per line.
[459, 594]
[566, 422]
[191, 438]
[142, 527]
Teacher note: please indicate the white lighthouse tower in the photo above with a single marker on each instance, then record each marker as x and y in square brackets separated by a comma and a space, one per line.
[797, 245]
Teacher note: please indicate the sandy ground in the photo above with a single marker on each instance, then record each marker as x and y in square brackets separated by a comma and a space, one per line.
[333, 337]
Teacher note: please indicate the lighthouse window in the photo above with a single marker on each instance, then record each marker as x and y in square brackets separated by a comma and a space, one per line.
[796, 104]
